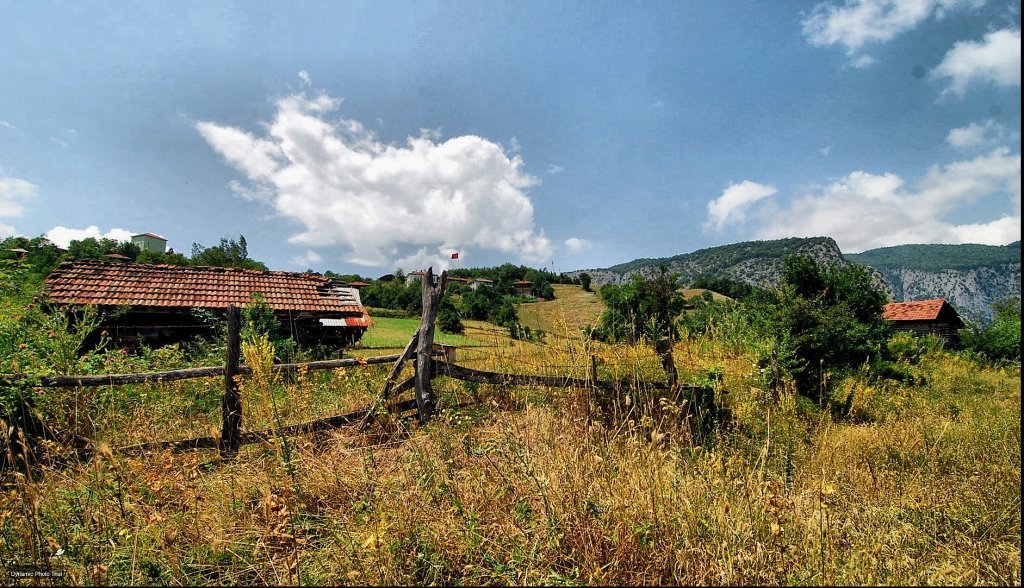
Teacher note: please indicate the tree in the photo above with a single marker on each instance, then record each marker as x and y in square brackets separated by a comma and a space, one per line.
[644, 309]
[827, 319]
[999, 340]
[585, 281]
[229, 253]
[448, 319]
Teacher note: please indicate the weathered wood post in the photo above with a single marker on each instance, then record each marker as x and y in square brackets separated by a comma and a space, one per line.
[231, 407]
[432, 293]
[664, 348]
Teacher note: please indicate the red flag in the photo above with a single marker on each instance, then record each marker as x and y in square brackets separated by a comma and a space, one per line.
[455, 255]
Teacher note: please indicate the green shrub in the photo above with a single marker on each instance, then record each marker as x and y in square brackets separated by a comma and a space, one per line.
[999, 340]
[448, 319]
[830, 317]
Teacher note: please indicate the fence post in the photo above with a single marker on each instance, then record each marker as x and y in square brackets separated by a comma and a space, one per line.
[432, 293]
[231, 407]
[664, 349]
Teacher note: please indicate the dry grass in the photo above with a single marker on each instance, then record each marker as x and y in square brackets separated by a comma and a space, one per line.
[572, 310]
[922, 485]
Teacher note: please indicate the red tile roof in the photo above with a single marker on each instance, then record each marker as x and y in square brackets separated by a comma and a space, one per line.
[170, 286]
[921, 310]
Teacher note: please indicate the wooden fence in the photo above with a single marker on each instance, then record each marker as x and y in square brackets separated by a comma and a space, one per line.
[429, 361]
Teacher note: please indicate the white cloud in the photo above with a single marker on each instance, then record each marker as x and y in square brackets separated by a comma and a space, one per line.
[555, 169]
[659, 104]
[826, 150]
[974, 135]
[13, 193]
[858, 23]
[381, 201]
[994, 59]
[732, 204]
[575, 244]
[307, 259]
[864, 211]
[863, 61]
[63, 236]
[7, 231]
[5, 124]
[304, 76]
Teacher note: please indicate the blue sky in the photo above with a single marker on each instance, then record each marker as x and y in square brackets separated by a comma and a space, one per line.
[367, 136]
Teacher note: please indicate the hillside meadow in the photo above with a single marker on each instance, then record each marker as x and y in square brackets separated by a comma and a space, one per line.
[918, 484]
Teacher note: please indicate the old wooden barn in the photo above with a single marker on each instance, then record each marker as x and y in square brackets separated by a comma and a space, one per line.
[934, 316]
[160, 304]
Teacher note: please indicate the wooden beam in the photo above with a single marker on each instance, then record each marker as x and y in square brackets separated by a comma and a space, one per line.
[75, 381]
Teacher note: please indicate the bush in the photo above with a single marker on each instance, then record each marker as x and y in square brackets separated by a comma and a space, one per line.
[1001, 339]
[448, 318]
[830, 318]
[644, 309]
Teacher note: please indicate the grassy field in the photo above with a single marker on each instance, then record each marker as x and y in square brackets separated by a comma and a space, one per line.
[920, 484]
[570, 311]
[391, 333]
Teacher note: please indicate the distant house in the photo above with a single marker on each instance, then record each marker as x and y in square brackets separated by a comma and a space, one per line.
[155, 304]
[415, 276]
[522, 287]
[934, 316]
[150, 242]
[458, 280]
[477, 283]
[386, 278]
[357, 285]
[117, 257]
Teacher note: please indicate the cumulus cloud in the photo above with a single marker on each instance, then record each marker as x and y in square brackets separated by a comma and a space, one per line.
[575, 244]
[859, 23]
[995, 59]
[732, 205]
[304, 76]
[63, 236]
[380, 201]
[13, 194]
[975, 135]
[864, 211]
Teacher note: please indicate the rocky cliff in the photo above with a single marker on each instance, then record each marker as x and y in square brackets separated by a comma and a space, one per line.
[970, 277]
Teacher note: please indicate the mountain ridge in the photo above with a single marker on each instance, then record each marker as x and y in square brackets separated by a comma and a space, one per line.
[970, 276]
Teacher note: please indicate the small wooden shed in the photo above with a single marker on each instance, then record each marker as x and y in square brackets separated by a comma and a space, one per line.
[934, 316]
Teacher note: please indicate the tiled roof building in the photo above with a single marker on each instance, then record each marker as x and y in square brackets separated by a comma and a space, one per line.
[934, 316]
[169, 292]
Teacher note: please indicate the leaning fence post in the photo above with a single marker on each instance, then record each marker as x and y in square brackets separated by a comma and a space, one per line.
[231, 407]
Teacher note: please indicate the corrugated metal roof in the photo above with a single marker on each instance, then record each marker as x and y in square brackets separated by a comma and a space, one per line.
[921, 310]
[169, 286]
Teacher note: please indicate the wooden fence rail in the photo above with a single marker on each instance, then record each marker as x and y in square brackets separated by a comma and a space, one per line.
[421, 349]
[88, 381]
